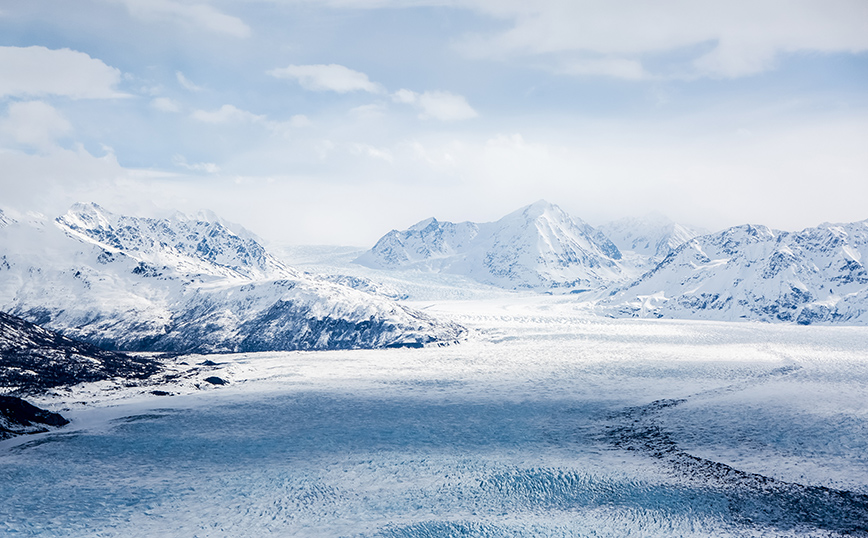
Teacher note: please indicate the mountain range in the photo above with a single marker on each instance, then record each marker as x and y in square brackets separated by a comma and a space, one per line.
[200, 284]
[537, 247]
[650, 266]
[186, 285]
[754, 272]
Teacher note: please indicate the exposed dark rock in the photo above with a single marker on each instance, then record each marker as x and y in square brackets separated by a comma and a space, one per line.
[33, 359]
[751, 497]
[18, 417]
[214, 380]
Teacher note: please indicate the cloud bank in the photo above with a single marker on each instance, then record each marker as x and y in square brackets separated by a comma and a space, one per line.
[331, 77]
[40, 71]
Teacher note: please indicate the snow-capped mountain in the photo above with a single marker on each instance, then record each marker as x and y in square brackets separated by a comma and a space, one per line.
[536, 247]
[33, 359]
[186, 285]
[653, 235]
[191, 245]
[753, 272]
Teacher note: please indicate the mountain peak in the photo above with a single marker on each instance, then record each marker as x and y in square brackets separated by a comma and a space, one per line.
[88, 215]
[538, 246]
[539, 209]
[422, 224]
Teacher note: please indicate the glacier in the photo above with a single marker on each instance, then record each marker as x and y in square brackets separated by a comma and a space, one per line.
[546, 421]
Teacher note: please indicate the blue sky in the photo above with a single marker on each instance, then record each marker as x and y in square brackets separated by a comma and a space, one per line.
[335, 121]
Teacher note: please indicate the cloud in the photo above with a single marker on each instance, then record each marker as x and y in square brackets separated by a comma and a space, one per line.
[731, 39]
[371, 151]
[39, 71]
[181, 162]
[369, 112]
[610, 67]
[200, 15]
[331, 77]
[165, 104]
[299, 120]
[443, 106]
[227, 114]
[33, 124]
[186, 83]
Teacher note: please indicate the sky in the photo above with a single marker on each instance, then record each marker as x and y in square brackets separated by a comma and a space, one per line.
[335, 121]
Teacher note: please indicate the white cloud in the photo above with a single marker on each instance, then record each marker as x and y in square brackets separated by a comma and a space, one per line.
[443, 106]
[227, 114]
[405, 96]
[33, 124]
[181, 162]
[610, 67]
[39, 71]
[231, 114]
[186, 83]
[165, 104]
[299, 120]
[744, 36]
[201, 15]
[331, 77]
[368, 112]
[371, 151]
[49, 182]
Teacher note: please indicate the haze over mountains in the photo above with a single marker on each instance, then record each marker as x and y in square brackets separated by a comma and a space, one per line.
[651, 266]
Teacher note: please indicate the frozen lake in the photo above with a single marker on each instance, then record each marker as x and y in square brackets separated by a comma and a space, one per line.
[547, 422]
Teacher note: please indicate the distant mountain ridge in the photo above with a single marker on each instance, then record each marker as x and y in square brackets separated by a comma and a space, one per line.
[653, 235]
[752, 272]
[187, 285]
[536, 247]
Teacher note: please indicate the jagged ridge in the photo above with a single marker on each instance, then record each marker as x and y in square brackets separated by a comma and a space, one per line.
[536, 247]
[754, 272]
[186, 285]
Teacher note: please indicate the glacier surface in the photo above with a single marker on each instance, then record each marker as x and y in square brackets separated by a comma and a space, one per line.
[548, 421]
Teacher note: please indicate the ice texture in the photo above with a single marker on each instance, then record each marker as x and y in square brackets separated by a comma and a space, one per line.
[547, 422]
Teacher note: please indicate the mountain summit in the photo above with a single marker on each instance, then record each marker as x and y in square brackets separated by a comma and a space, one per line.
[535, 247]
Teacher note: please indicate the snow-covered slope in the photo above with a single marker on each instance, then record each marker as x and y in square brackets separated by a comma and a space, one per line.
[753, 272]
[191, 245]
[186, 285]
[653, 235]
[5, 220]
[536, 247]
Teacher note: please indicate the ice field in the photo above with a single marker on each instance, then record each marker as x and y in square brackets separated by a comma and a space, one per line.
[548, 421]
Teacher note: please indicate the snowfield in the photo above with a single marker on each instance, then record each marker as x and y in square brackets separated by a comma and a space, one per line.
[547, 421]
